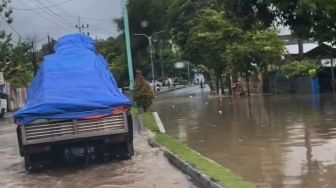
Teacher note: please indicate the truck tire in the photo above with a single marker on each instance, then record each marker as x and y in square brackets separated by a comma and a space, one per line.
[18, 133]
[27, 163]
[128, 150]
[2, 113]
[34, 162]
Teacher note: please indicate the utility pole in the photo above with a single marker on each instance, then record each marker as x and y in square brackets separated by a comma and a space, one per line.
[332, 75]
[81, 27]
[128, 46]
[34, 60]
[49, 44]
[151, 51]
[300, 46]
[162, 71]
[188, 72]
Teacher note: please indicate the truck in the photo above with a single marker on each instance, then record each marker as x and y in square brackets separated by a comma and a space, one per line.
[45, 143]
[74, 110]
[3, 97]
[3, 105]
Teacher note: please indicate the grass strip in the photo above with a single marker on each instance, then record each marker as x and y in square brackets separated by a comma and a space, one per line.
[215, 171]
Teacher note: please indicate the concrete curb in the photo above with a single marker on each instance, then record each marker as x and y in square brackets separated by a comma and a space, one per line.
[199, 177]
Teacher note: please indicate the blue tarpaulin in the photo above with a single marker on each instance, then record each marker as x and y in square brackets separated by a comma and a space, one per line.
[73, 83]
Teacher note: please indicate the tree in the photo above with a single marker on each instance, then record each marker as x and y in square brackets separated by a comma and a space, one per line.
[5, 53]
[143, 95]
[208, 74]
[5, 39]
[305, 18]
[180, 13]
[20, 73]
[6, 11]
[208, 39]
[113, 50]
[145, 17]
[254, 52]
[247, 13]
[47, 48]
[306, 67]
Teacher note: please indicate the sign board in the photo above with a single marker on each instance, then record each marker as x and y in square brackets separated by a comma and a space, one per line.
[2, 80]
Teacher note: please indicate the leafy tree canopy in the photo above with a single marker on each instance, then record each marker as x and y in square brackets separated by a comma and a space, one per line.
[306, 67]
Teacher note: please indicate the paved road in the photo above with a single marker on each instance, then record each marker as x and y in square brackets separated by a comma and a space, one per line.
[147, 169]
[188, 91]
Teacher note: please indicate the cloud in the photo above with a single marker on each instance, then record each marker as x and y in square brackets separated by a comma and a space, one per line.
[62, 19]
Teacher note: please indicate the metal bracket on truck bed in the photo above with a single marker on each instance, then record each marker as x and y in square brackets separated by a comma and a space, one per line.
[67, 130]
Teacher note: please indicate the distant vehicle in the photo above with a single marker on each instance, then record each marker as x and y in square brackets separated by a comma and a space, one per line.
[3, 105]
[157, 83]
[74, 116]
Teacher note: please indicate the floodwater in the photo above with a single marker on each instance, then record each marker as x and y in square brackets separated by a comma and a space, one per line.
[147, 169]
[274, 141]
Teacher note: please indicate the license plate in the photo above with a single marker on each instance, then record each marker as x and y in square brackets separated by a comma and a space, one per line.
[76, 152]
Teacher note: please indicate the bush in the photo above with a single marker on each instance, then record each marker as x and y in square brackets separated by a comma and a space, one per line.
[143, 95]
[305, 67]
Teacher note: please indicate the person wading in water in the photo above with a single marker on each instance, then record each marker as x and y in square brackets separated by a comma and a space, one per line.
[201, 86]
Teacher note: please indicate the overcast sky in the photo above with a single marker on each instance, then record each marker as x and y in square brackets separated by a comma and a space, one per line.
[33, 20]
[38, 18]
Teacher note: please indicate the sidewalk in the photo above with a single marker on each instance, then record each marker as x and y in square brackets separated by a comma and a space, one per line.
[165, 89]
[9, 114]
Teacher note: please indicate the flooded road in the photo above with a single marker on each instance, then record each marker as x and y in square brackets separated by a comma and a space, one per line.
[273, 141]
[148, 169]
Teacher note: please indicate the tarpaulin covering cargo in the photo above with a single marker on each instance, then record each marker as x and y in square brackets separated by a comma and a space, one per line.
[73, 83]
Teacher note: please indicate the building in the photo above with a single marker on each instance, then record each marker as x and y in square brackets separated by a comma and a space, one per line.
[198, 78]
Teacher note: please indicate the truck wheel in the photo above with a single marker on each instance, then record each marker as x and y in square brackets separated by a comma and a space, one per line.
[32, 163]
[27, 163]
[2, 114]
[18, 133]
[129, 150]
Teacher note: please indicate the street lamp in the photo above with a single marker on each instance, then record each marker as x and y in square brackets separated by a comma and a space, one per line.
[151, 51]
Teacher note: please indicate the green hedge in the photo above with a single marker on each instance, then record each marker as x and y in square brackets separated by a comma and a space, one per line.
[305, 67]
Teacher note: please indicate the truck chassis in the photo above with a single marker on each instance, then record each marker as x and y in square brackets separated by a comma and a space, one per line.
[49, 142]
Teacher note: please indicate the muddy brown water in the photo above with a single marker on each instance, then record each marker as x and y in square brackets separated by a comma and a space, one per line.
[147, 169]
[274, 141]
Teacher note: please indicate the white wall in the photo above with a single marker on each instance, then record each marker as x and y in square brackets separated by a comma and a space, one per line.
[198, 78]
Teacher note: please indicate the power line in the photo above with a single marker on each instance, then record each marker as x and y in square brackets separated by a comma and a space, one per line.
[54, 5]
[13, 28]
[45, 18]
[80, 27]
[93, 18]
[52, 13]
[100, 29]
[61, 13]
[58, 8]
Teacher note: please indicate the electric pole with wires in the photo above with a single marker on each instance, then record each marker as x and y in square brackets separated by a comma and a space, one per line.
[33, 56]
[81, 27]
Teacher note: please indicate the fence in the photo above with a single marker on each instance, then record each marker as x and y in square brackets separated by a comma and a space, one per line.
[16, 97]
[327, 85]
[304, 85]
